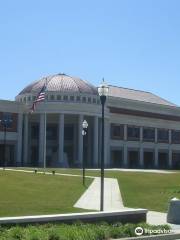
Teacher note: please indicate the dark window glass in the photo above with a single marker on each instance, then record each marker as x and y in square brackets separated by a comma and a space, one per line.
[72, 98]
[78, 98]
[58, 97]
[34, 132]
[29, 98]
[149, 134]
[94, 100]
[68, 132]
[51, 132]
[84, 99]
[175, 136]
[89, 99]
[133, 133]
[52, 97]
[65, 98]
[163, 135]
[117, 131]
[34, 98]
[7, 120]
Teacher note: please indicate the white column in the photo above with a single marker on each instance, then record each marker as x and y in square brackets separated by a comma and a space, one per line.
[19, 143]
[80, 140]
[125, 153]
[95, 142]
[156, 155]
[125, 156]
[41, 139]
[170, 158]
[25, 143]
[170, 136]
[61, 140]
[170, 150]
[141, 157]
[141, 152]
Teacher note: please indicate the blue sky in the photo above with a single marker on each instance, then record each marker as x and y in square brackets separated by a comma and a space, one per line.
[131, 43]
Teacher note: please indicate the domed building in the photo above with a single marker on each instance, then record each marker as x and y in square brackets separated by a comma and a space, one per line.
[142, 130]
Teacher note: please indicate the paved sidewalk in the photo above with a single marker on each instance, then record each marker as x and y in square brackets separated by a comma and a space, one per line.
[91, 198]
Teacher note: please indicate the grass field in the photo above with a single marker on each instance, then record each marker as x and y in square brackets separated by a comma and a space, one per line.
[33, 194]
[142, 190]
[36, 193]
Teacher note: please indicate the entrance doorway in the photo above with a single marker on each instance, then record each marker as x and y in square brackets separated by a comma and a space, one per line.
[133, 159]
[163, 160]
[148, 159]
[116, 159]
[176, 160]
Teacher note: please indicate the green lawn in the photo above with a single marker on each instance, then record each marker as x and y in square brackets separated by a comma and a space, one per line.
[33, 194]
[141, 190]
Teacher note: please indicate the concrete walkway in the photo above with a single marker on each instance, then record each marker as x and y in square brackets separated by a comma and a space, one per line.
[91, 198]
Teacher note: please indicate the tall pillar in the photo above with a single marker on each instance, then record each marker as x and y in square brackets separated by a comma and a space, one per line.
[156, 157]
[19, 143]
[156, 154]
[61, 140]
[141, 157]
[125, 156]
[25, 140]
[141, 152]
[125, 150]
[95, 142]
[41, 139]
[170, 150]
[80, 141]
[170, 158]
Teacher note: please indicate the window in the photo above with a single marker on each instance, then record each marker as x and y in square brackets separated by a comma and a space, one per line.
[84, 99]
[65, 98]
[52, 132]
[149, 134]
[69, 132]
[89, 99]
[29, 98]
[24, 99]
[34, 98]
[133, 133]
[175, 136]
[163, 135]
[117, 131]
[72, 98]
[52, 97]
[94, 100]
[7, 120]
[78, 98]
[34, 131]
[58, 97]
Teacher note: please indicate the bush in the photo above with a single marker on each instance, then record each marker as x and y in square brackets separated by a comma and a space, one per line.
[77, 231]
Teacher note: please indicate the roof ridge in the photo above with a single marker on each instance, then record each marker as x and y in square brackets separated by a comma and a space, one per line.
[131, 89]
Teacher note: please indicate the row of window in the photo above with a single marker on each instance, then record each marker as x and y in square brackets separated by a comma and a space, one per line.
[63, 98]
[133, 134]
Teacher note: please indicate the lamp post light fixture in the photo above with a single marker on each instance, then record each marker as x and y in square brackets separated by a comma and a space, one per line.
[84, 133]
[6, 124]
[103, 90]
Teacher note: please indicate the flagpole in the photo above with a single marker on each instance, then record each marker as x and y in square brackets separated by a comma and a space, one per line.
[45, 115]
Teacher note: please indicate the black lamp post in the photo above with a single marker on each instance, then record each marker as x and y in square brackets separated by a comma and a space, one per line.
[6, 124]
[103, 90]
[84, 133]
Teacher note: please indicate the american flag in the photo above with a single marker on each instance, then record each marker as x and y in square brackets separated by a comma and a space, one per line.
[40, 98]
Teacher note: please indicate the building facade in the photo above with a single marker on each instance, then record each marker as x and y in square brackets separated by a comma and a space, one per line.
[142, 130]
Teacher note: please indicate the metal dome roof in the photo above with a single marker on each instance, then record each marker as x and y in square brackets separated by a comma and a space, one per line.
[61, 83]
